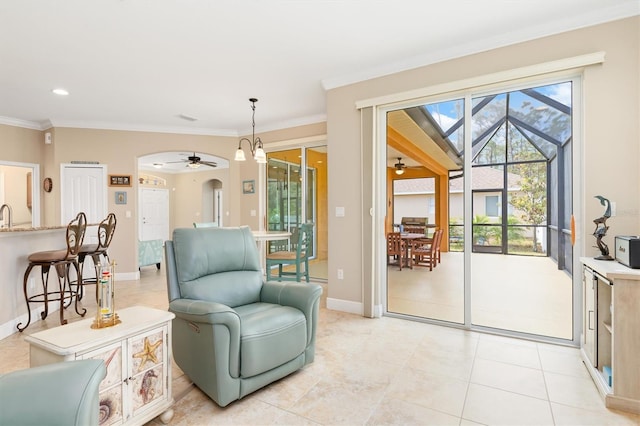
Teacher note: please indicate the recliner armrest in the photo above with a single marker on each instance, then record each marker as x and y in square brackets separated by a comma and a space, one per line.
[202, 314]
[302, 296]
[64, 393]
[202, 311]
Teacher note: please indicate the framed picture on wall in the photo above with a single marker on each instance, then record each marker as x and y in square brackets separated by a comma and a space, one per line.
[119, 180]
[121, 197]
[248, 186]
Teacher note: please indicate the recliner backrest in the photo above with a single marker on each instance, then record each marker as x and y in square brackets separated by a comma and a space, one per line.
[218, 265]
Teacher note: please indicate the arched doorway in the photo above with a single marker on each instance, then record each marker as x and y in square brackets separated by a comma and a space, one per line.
[212, 204]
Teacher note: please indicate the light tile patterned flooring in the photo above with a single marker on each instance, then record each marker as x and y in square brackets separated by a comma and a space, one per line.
[518, 293]
[387, 371]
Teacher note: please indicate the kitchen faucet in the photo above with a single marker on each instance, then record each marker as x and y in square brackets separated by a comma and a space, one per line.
[8, 207]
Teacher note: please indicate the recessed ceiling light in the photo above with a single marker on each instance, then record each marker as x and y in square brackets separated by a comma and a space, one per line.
[60, 91]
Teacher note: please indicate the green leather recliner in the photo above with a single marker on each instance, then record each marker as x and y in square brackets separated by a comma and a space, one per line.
[64, 393]
[234, 333]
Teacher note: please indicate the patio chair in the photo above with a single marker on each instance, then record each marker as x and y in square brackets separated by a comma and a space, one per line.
[426, 255]
[414, 229]
[297, 257]
[395, 248]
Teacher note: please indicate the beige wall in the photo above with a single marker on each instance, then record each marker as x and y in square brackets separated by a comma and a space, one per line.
[119, 150]
[15, 193]
[186, 197]
[22, 146]
[610, 141]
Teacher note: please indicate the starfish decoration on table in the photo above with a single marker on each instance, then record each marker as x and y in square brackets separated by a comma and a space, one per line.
[148, 353]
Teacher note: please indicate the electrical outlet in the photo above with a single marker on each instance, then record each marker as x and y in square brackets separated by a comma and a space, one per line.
[32, 284]
[614, 209]
[340, 274]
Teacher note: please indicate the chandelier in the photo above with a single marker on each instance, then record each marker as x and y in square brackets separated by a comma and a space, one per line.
[255, 144]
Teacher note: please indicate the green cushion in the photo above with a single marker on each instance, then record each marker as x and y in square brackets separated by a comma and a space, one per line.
[279, 331]
[218, 265]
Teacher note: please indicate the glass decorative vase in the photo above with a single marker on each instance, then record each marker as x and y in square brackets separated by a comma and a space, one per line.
[106, 315]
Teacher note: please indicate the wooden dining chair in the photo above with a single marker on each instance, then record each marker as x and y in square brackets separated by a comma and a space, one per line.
[426, 255]
[297, 257]
[395, 248]
[438, 251]
[414, 229]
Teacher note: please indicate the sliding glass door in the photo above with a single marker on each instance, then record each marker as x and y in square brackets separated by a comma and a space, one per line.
[521, 146]
[501, 194]
[297, 194]
[426, 185]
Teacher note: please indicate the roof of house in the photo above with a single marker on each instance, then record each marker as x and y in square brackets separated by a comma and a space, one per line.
[483, 178]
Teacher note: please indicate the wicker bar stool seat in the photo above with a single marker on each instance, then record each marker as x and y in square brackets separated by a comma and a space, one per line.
[61, 260]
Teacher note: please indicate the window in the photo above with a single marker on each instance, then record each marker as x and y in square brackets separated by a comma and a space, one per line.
[492, 205]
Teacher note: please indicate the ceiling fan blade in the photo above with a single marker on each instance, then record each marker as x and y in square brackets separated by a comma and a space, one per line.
[209, 163]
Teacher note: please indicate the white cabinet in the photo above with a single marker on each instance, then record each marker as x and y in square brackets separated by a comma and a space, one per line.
[137, 354]
[589, 287]
[611, 331]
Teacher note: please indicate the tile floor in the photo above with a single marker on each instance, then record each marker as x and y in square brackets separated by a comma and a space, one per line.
[519, 293]
[388, 371]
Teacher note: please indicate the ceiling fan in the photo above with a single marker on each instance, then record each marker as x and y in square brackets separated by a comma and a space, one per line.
[193, 162]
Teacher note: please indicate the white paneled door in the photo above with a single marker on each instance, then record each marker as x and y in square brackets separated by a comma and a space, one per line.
[83, 189]
[154, 214]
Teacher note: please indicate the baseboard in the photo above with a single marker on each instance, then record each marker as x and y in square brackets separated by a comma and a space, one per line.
[377, 311]
[344, 306]
[9, 327]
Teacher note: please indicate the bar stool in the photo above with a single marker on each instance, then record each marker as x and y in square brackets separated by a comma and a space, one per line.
[106, 229]
[62, 261]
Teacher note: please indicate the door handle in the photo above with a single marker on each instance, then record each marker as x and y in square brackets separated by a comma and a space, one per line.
[589, 325]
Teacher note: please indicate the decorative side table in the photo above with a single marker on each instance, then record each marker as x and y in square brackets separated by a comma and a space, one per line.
[137, 354]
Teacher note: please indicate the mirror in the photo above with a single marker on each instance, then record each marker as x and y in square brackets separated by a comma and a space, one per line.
[20, 189]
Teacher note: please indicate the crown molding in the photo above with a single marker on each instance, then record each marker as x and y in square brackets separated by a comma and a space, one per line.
[143, 128]
[16, 122]
[48, 124]
[287, 124]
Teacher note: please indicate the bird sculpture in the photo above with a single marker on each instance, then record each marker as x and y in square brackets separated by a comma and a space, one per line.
[602, 228]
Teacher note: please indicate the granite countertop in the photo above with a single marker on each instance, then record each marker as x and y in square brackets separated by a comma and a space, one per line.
[22, 228]
[29, 228]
